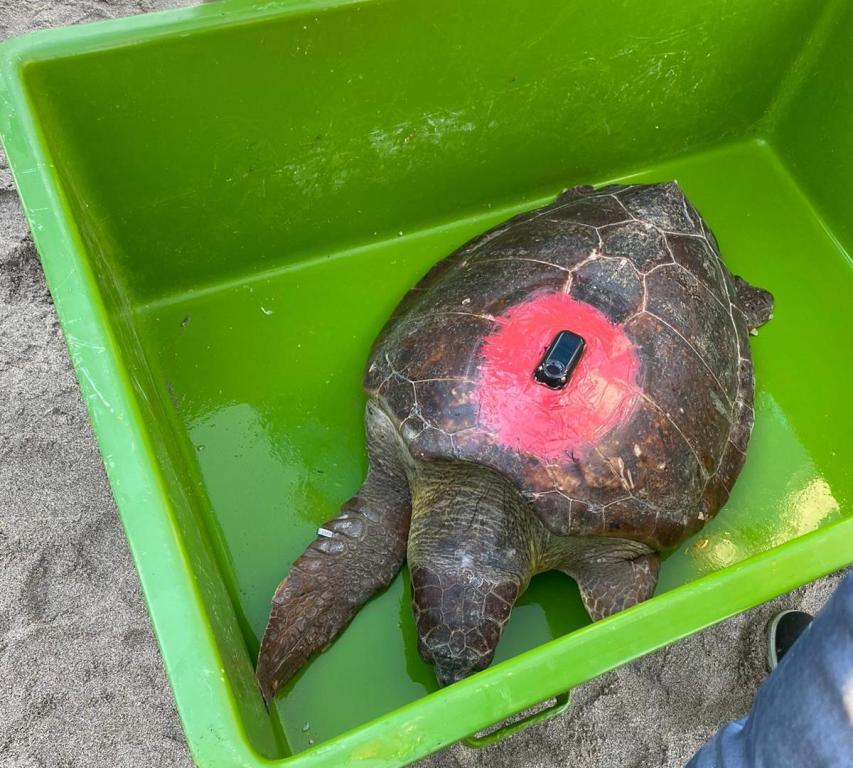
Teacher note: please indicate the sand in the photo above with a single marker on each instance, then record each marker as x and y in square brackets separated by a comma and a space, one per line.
[81, 682]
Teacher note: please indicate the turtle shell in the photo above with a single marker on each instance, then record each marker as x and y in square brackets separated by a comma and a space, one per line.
[648, 435]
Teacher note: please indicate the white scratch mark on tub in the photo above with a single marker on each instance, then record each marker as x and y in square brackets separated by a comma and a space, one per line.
[434, 128]
[85, 374]
[73, 341]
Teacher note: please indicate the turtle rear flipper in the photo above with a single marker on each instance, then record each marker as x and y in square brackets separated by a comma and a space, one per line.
[755, 303]
[354, 556]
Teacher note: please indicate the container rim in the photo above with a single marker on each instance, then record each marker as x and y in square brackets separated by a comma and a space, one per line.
[206, 704]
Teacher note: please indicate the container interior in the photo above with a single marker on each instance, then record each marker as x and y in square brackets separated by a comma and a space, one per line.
[255, 198]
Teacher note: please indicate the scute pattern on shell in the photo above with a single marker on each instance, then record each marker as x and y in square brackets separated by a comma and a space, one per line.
[643, 256]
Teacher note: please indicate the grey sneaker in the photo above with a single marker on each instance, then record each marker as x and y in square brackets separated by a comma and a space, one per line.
[782, 632]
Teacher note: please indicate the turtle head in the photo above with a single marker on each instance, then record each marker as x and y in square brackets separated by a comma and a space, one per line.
[460, 617]
[470, 555]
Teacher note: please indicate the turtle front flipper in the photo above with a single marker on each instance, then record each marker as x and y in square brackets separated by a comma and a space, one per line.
[611, 581]
[353, 557]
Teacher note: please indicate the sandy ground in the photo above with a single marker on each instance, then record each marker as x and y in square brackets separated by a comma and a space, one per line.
[81, 682]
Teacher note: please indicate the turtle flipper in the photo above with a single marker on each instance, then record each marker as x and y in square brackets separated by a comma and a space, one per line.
[353, 557]
[613, 585]
[755, 303]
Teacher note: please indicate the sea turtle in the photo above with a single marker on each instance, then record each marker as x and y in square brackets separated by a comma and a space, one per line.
[484, 471]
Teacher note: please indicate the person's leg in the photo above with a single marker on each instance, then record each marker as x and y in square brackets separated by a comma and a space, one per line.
[803, 713]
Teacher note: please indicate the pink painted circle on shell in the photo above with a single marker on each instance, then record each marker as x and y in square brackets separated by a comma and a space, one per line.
[527, 416]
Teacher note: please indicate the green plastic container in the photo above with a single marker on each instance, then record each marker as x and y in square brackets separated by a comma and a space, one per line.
[220, 193]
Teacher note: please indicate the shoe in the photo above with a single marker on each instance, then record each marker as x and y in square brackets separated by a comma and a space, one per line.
[782, 632]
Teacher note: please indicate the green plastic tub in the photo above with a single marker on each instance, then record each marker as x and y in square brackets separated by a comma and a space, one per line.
[221, 193]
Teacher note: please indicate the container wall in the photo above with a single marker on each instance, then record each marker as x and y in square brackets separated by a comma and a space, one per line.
[813, 132]
[248, 147]
[176, 462]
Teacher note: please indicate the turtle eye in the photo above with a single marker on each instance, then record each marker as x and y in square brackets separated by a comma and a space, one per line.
[560, 360]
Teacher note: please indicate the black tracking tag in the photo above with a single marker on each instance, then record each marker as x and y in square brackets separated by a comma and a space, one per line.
[560, 360]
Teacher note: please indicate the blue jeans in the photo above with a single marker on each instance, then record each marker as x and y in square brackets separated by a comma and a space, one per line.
[802, 716]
